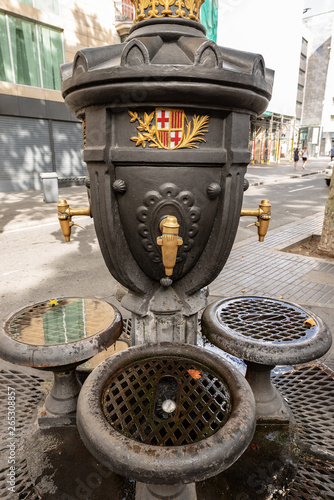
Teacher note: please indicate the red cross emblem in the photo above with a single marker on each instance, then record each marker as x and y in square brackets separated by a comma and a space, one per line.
[170, 126]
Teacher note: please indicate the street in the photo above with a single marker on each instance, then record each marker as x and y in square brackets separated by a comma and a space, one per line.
[291, 199]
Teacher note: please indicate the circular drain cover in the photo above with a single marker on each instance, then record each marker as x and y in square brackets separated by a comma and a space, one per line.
[133, 402]
[267, 320]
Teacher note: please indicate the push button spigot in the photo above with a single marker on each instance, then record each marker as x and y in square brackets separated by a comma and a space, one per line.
[263, 214]
[65, 214]
[169, 242]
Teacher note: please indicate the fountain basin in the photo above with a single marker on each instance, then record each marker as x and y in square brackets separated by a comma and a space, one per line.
[125, 425]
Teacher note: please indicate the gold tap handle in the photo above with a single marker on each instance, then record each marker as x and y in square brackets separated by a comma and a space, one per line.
[169, 241]
[65, 214]
[263, 214]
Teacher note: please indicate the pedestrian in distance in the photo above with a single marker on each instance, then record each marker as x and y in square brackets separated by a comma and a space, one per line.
[332, 153]
[296, 157]
[304, 157]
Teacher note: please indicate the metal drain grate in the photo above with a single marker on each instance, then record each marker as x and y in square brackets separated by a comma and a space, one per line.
[265, 319]
[24, 489]
[131, 405]
[309, 392]
[126, 330]
[314, 481]
[329, 362]
[29, 391]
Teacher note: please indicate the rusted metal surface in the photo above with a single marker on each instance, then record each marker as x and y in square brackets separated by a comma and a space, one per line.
[309, 390]
[133, 402]
[266, 331]
[181, 463]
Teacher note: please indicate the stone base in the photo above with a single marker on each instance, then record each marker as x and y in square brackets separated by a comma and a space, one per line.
[165, 491]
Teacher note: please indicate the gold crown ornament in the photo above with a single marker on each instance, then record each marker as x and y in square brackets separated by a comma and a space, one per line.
[153, 9]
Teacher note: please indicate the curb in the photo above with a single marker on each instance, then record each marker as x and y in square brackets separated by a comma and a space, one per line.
[296, 176]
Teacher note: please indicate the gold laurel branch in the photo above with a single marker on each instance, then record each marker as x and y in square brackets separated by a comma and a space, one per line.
[148, 134]
[189, 139]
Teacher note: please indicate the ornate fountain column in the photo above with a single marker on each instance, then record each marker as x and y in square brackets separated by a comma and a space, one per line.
[166, 119]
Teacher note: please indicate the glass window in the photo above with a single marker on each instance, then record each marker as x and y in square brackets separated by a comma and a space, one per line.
[25, 53]
[27, 2]
[6, 74]
[30, 54]
[51, 51]
[45, 5]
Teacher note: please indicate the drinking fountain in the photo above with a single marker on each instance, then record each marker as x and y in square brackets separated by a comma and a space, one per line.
[166, 131]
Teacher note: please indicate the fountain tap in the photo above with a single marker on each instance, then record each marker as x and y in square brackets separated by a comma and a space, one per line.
[169, 241]
[65, 214]
[263, 214]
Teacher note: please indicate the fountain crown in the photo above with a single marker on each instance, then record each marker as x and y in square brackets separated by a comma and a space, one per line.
[171, 9]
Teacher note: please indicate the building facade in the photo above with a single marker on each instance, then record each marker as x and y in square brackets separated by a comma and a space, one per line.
[37, 132]
[317, 122]
[274, 30]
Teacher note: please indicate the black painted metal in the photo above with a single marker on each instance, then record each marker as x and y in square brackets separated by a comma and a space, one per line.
[166, 63]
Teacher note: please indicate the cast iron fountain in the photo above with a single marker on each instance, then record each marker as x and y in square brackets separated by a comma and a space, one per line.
[166, 127]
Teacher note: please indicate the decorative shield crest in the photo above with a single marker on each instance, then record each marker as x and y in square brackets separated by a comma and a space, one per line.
[170, 126]
[168, 130]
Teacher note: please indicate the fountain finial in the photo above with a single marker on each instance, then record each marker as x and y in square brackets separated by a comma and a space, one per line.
[174, 9]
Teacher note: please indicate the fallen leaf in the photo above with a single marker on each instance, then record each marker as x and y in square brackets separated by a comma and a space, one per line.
[53, 302]
[254, 446]
[280, 297]
[310, 321]
[196, 374]
[243, 291]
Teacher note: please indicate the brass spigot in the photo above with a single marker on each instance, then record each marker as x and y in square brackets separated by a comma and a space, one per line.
[263, 214]
[169, 241]
[65, 214]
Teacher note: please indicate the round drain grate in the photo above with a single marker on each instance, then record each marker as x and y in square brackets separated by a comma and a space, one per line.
[135, 400]
[266, 320]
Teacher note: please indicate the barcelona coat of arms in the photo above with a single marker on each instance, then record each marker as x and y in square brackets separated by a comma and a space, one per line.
[169, 128]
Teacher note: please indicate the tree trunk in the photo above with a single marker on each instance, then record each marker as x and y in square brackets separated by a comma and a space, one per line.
[326, 244]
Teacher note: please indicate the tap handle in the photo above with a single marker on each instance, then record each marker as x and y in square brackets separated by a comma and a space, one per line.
[65, 214]
[263, 214]
[263, 219]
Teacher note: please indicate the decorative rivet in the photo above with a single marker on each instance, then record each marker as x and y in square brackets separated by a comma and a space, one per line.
[166, 282]
[213, 190]
[119, 186]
